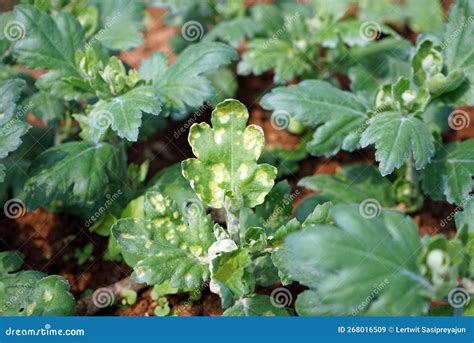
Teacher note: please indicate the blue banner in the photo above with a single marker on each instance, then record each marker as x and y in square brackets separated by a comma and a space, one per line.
[237, 329]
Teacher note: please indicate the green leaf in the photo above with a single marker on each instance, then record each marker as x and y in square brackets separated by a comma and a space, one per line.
[154, 67]
[226, 158]
[335, 113]
[76, 177]
[232, 31]
[264, 55]
[465, 217]
[182, 84]
[265, 272]
[49, 42]
[121, 23]
[361, 266]
[419, 20]
[449, 175]
[10, 92]
[171, 243]
[352, 184]
[10, 261]
[47, 106]
[458, 50]
[31, 293]
[258, 305]
[396, 137]
[10, 136]
[273, 213]
[171, 183]
[123, 113]
[229, 276]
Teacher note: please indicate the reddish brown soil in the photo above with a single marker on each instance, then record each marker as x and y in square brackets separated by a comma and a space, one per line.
[45, 239]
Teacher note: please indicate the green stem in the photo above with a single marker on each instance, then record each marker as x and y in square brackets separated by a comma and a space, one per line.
[233, 225]
[411, 175]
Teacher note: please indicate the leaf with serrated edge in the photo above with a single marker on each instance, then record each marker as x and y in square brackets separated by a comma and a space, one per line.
[396, 137]
[226, 158]
[75, 177]
[31, 293]
[48, 43]
[183, 85]
[10, 92]
[362, 266]
[319, 104]
[123, 113]
[449, 175]
[170, 244]
[352, 184]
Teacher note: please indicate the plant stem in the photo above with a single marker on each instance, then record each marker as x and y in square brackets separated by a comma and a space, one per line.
[233, 225]
[411, 175]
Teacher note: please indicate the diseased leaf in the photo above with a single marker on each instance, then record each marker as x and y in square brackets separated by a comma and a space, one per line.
[171, 243]
[171, 183]
[361, 266]
[449, 175]
[123, 113]
[396, 137]
[351, 185]
[226, 158]
[335, 114]
[258, 305]
[31, 293]
[76, 177]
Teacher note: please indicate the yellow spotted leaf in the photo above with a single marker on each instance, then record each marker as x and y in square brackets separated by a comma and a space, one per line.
[226, 158]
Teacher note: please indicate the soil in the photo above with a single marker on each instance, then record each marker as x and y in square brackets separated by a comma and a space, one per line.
[45, 238]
